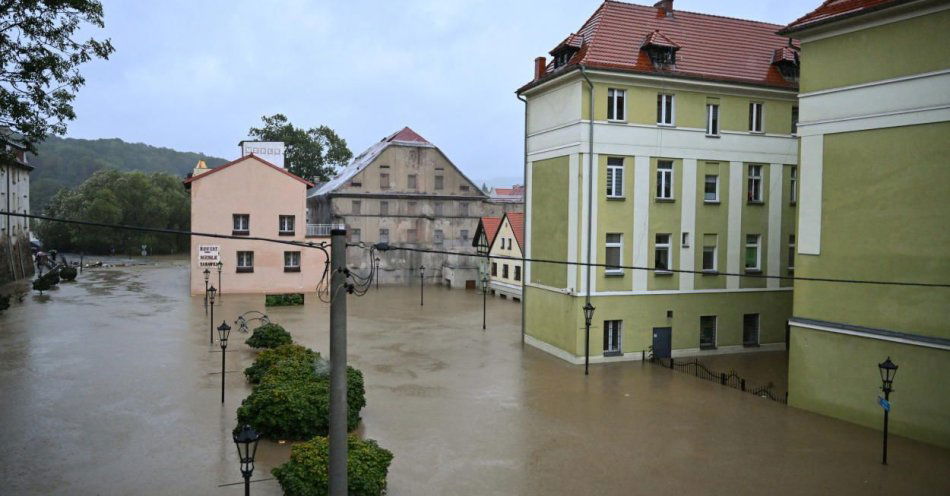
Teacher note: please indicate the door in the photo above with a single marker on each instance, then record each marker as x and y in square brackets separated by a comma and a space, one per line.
[662, 341]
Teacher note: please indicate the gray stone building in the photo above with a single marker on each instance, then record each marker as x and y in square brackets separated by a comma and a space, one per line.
[404, 191]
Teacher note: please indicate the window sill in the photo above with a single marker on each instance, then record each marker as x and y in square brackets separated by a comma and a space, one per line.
[613, 273]
[291, 269]
[240, 233]
[753, 271]
[662, 272]
[713, 136]
[660, 124]
[664, 200]
[616, 121]
[758, 133]
[710, 272]
[616, 198]
[755, 202]
[244, 270]
[613, 353]
[285, 233]
[711, 202]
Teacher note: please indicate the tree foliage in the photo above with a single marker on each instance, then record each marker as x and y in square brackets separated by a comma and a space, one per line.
[313, 154]
[41, 51]
[269, 336]
[307, 471]
[268, 358]
[131, 198]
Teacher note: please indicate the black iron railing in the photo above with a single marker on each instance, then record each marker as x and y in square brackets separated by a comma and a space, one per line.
[730, 379]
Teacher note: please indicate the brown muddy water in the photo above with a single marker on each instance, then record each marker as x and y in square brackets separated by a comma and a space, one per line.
[109, 386]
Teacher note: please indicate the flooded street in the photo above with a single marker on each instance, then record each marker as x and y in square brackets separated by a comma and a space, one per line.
[109, 386]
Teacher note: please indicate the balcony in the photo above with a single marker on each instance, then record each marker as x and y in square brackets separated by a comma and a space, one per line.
[322, 230]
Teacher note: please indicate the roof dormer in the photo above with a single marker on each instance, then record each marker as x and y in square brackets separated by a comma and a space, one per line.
[566, 49]
[661, 49]
[785, 59]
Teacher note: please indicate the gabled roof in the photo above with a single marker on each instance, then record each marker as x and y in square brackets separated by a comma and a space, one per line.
[785, 54]
[711, 47]
[516, 221]
[834, 10]
[489, 226]
[656, 38]
[239, 160]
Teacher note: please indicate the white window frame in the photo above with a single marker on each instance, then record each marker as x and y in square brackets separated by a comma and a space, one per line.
[284, 227]
[613, 327]
[657, 246]
[666, 104]
[712, 119]
[244, 226]
[618, 245]
[715, 329]
[664, 179]
[793, 185]
[245, 261]
[791, 253]
[715, 256]
[294, 260]
[614, 177]
[758, 253]
[716, 183]
[616, 106]
[756, 111]
[756, 193]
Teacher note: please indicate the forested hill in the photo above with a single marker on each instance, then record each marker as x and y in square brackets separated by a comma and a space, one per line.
[67, 162]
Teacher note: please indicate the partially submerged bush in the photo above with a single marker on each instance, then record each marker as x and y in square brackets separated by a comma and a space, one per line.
[307, 471]
[42, 284]
[68, 273]
[282, 300]
[269, 357]
[4, 302]
[269, 336]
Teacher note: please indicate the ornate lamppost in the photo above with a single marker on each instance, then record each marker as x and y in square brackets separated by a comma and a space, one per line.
[484, 298]
[588, 316]
[422, 283]
[482, 248]
[220, 265]
[211, 294]
[888, 370]
[246, 441]
[224, 330]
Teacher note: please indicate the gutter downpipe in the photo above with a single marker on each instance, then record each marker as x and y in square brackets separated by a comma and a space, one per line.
[524, 249]
[590, 203]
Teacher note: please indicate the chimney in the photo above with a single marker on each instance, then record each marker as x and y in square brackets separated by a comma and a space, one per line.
[665, 7]
[539, 65]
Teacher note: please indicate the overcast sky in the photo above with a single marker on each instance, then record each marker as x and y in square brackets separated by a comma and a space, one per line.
[194, 75]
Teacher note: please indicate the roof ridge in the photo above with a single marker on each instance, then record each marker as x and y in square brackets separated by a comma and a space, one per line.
[704, 14]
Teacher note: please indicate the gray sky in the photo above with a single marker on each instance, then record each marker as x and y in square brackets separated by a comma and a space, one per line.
[195, 75]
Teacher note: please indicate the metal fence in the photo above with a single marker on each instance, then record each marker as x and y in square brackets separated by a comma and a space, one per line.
[730, 379]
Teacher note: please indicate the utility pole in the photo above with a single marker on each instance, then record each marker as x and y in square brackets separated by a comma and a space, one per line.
[422, 283]
[338, 407]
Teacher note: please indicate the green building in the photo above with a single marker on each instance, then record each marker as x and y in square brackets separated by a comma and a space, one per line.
[874, 205]
[667, 139]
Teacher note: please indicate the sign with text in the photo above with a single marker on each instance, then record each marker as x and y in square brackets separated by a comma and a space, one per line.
[208, 255]
[271, 151]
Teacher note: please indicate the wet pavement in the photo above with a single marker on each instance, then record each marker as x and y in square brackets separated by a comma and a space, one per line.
[109, 386]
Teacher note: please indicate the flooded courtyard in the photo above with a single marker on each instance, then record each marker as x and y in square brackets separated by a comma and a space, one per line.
[109, 386]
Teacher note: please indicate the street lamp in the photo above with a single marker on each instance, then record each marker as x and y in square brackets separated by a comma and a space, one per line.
[888, 371]
[246, 441]
[588, 316]
[422, 283]
[207, 274]
[220, 266]
[377, 273]
[211, 294]
[484, 297]
[223, 331]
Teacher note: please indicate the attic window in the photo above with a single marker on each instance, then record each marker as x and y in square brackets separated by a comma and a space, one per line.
[786, 61]
[563, 57]
[662, 55]
[662, 50]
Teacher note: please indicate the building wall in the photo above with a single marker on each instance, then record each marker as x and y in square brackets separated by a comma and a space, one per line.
[549, 229]
[249, 187]
[15, 195]
[510, 285]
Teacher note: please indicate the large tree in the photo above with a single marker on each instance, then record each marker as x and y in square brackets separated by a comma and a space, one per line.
[313, 154]
[40, 55]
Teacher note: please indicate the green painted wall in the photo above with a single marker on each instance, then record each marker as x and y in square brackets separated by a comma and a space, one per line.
[837, 375]
[856, 57]
[549, 213]
[553, 318]
[884, 217]
[614, 216]
[755, 220]
[665, 217]
[711, 218]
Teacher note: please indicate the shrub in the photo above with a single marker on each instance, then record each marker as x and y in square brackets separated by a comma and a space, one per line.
[4, 302]
[282, 300]
[307, 471]
[42, 284]
[53, 277]
[269, 336]
[269, 357]
[68, 273]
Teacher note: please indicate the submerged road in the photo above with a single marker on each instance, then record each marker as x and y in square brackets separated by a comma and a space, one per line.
[108, 386]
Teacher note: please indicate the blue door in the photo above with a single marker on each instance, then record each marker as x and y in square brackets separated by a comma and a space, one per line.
[662, 341]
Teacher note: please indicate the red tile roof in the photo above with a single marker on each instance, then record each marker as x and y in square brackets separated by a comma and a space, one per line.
[785, 54]
[516, 220]
[832, 10]
[490, 225]
[711, 47]
[656, 38]
[406, 134]
[255, 157]
[513, 191]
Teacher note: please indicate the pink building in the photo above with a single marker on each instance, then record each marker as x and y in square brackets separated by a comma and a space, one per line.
[252, 197]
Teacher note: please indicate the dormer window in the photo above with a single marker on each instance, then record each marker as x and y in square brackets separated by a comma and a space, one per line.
[564, 51]
[662, 50]
[785, 59]
[563, 57]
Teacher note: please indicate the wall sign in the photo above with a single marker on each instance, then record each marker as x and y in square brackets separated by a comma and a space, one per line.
[208, 255]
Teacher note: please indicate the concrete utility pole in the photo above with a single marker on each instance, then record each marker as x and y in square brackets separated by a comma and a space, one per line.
[338, 407]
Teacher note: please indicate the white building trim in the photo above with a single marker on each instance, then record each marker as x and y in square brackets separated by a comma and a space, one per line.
[641, 220]
[635, 356]
[868, 335]
[692, 291]
[776, 201]
[734, 227]
[688, 225]
[572, 221]
[808, 240]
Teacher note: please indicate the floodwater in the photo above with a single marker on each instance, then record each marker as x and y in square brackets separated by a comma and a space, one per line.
[109, 386]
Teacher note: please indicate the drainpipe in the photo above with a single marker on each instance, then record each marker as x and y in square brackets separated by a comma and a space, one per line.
[524, 249]
[590, 201]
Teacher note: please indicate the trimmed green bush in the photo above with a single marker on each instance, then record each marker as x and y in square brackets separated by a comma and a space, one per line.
[307, 471]
[68, 273]
[283, 300]
[42, 284]
[269, 336]
[269, 357]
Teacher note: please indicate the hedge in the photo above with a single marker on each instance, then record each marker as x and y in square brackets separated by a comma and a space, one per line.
[68, 273]
[269, 336]
[282, 300]
[307, 472]
[269, 357]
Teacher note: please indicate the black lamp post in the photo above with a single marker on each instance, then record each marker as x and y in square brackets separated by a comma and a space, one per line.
[588, 316]
[888, 371]
[246, 441]
[482, 248]
[207, 274]
[484, 297]
[422, 283]
[211, 294]
[377, 273]
[220, 266]
[223, 331]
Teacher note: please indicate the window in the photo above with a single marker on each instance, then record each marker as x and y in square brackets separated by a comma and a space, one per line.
[711, 189]
[437, 209]
[614, 177]
[791, 253]
[383, 180]
[438, 237]
[463, 187]
[612, 337]
[356, 184]
[752, 252]
[494, 268]
[355, 236]
[664, 180]
[712, 120]
[291, 261]
[685, 242]
[755, 117]
[463, 234]
[463, 209]
[710, 252]
[242, 224]
[245, 261]
[750, 329]
[755, 184]
[439, 182]
[285, 225]
[509, 243]
[384, 235]
[411, 207]
[707, 332]
[411, 181]
[504, 271]
[613, 257]
[615, 104]
[793, 185]
[794, 120]
[412, 235]
[384, 208]
[664, 109]
[357, 207]
[517, 272]
[662, 252]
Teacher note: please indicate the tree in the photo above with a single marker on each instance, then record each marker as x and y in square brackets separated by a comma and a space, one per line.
[313, 154]
[40, 55]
